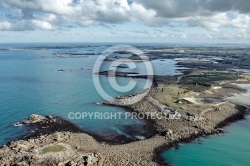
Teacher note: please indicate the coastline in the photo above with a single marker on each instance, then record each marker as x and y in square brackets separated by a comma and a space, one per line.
[165, 134]
[59, 124]
[227, 122]
[156, 157]
[42, 90]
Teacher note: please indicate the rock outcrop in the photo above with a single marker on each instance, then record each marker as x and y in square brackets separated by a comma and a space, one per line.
[33, 119]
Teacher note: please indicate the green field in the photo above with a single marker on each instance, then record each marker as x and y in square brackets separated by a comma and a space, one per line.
[53, 149]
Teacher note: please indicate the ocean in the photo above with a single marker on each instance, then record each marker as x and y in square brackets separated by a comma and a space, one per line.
[31, 84]
[229, 149]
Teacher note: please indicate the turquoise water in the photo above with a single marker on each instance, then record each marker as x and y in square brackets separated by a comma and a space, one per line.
[29, 84]
[229, 149]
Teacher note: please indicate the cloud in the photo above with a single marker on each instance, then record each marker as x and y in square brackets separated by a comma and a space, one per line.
[172, 8]
[4, 25]
[241, 21]
[139, 31]
[30, 22]
[172, 35]
[209, 22]
[83, 12]
[53, 14]
[184, 8]
[241, 6]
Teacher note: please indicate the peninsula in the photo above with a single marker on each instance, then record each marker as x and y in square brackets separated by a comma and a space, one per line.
[195, 106]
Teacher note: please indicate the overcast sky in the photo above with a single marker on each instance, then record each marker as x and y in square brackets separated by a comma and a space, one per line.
[125, 21]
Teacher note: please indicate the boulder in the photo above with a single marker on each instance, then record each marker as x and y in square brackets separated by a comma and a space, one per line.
[49, 117]
[167, 133]
[60, 164]
[34, 119]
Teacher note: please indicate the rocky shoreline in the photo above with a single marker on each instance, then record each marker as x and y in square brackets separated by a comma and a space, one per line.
[45, 125]
[232, 119]
[56, 141]
[148, 150]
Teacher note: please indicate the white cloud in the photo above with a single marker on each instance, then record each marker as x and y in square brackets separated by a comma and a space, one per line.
[142, 14]
[209, 22]
[172, 36]
[241, 21]
[51, 14]
[42, 24]
[5, 25]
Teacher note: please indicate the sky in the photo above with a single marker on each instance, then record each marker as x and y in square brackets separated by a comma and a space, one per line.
[185, 21]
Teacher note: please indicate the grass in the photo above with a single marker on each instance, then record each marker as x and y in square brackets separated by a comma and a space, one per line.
[204, 81]
[211, 74]
[53, 149]
[172, 94]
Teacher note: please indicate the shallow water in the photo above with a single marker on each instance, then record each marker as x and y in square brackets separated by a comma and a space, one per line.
[242, 98]
[30, 84]
[229, 149]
